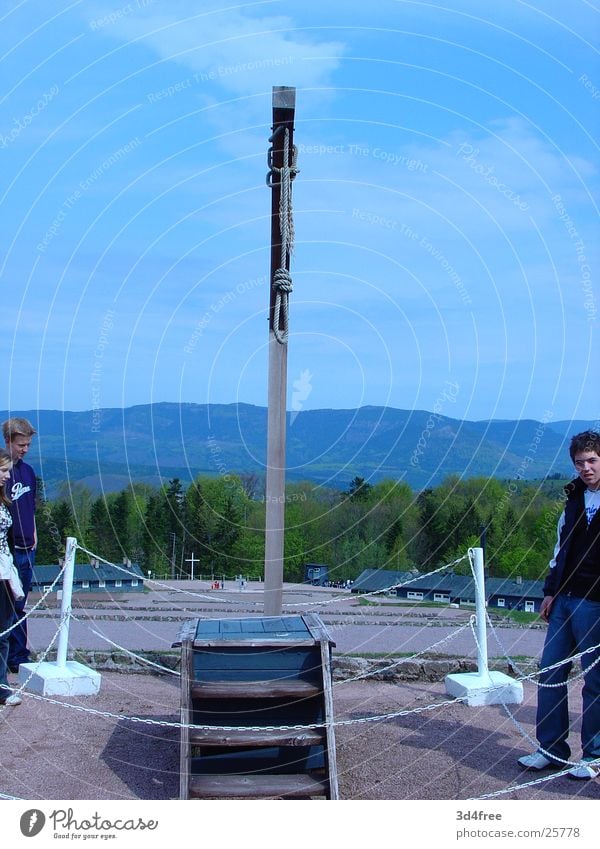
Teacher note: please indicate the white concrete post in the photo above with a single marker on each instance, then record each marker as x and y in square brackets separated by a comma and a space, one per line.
[480, 626]
[65, 607]
[64, 677]
[483, 687]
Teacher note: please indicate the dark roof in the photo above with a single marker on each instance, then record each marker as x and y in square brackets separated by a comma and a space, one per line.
[377, 580]
[456, 586]
[86, 572]
[464, 586]
[510, 587]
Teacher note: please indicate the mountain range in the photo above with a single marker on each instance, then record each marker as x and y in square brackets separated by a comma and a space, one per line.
[107, 448]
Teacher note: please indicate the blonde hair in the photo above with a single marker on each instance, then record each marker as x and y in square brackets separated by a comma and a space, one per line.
[17, 427]
[5, 460]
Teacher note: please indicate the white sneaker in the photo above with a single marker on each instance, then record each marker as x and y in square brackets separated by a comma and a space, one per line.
[537, 761]
[584, 771]
[12, 700]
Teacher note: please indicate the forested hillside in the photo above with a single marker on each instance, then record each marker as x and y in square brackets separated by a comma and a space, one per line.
[220, 521]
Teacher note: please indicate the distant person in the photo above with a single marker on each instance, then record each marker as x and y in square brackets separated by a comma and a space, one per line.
[571, 606]
[9, 589]
[21, 489]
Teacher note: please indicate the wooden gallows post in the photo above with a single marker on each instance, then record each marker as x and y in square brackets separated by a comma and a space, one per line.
[282, 170]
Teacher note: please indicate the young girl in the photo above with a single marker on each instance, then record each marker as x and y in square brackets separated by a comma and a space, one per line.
[7, 611]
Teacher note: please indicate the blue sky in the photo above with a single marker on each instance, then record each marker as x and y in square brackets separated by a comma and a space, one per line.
[445, 211]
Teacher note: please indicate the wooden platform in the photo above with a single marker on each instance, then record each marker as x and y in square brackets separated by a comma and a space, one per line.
[257, 687]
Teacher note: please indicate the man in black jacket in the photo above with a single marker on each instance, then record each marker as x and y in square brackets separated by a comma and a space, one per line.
[571, 606]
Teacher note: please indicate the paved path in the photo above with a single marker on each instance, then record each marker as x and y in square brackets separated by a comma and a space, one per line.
[151, 621]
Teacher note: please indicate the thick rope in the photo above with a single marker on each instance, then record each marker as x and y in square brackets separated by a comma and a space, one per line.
[282, 279]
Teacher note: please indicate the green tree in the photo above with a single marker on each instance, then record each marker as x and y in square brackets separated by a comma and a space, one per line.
[103, 539]
[215, 511]
[174, 506]
[80, 499]
[63, 519]
[359, 489]
[51, 545]
[155, 536]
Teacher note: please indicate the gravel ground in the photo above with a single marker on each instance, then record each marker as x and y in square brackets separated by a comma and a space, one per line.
[51, 751]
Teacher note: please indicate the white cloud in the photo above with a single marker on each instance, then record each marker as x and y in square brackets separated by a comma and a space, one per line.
[238, 52]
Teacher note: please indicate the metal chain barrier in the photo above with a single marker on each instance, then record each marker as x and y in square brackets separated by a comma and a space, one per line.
[166, 724]
[42, 598]
[527, 677]
[395, 663]
[516, 787]
[124, 650]
[339, 723]
[411, 657]
[20, 690]
[249, 603]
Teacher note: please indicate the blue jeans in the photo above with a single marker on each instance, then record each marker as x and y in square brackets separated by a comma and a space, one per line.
[18, 651]
[574, 625]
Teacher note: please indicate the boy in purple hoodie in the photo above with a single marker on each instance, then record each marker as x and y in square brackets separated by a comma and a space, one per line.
[21, 489]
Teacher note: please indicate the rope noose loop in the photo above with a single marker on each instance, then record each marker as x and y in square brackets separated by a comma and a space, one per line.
[282, 279]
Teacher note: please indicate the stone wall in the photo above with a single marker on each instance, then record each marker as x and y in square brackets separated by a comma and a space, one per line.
[344, 668]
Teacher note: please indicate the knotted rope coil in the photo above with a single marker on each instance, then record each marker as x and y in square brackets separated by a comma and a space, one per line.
[282, 279]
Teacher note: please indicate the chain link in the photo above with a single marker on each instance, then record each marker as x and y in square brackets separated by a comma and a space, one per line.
[42, 598]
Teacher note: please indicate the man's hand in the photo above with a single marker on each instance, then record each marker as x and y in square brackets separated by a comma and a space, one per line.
[546, 607]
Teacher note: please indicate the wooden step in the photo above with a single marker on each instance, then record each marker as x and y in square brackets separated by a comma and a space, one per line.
[277, 688]
[256, 786]
[247, 737]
